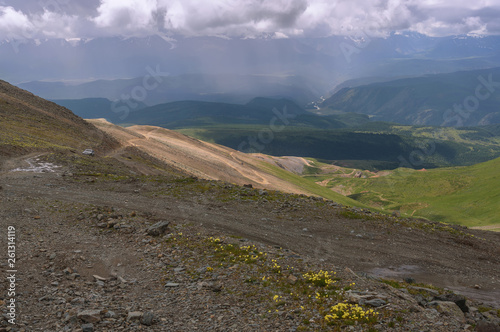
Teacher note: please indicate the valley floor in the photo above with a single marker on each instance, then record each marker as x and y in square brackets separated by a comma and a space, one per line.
[82, 244]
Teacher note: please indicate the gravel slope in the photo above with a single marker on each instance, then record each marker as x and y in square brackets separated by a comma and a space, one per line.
[62, 221]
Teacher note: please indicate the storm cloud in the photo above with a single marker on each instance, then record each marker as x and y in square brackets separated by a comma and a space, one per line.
[244, 18]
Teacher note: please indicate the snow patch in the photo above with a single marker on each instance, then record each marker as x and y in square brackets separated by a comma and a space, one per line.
[36, 166]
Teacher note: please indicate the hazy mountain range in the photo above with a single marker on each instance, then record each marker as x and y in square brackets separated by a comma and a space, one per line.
[326, 61]
[466, 98]
[161, 89]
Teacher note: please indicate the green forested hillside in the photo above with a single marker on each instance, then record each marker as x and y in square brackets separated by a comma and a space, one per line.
[374, 146]
[259, 111]
[426, 100]
[279, 127]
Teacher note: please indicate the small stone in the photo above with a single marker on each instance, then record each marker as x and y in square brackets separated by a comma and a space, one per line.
[110, 314]
[158, 229]
[73, 276]
[376, 302]
[216, 288]
[210, 285]
[68, 270]
[96, 277]
[90, 316]
[100, 217]
[111, 223]
[88, 327]
[205, 284]
[422, 301]
[70, 317]
[409, 280]
[352, 297]
[292, 279]
[134, 315]
[147, 318]
[171, 284]
[55, 283]
[52, 256]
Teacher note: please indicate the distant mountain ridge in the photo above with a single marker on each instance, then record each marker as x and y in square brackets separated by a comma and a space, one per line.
[228, 88]
[95, 108]
[466, 98]
[259, 111]
[287, 129]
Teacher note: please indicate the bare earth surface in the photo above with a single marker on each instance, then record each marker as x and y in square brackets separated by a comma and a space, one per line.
[201, 159]
[495, 227]
[62, 246]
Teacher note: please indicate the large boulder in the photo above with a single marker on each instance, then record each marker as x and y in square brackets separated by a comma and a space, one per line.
[459, 300]
[449, 309]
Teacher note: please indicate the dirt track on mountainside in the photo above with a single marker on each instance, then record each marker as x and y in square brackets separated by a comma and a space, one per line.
[488, 228]
[195, 157]
[470, 265]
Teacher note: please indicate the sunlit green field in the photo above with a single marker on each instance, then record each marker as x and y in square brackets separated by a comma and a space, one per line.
[468, 196]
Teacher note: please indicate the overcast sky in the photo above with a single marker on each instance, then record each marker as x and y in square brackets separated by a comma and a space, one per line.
[244, 18]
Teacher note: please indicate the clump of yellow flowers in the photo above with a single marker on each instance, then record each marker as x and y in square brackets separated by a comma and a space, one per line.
[350, 312]
[321, 279]
[215, 240]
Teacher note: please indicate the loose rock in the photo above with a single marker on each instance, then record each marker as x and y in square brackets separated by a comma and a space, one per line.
[147, 318]
[90, 316]
[134, 315]
[158, 229]
[88, 327]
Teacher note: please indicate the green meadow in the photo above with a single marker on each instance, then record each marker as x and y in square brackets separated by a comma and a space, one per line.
[468, 196]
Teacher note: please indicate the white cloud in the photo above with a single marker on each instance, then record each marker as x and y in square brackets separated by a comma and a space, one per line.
[231, 17]
[17, 25]
[247, 18]
[56, 25]
[14, 24]
[126, 15]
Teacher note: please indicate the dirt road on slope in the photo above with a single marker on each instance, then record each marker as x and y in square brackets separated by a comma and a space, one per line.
[195, 157]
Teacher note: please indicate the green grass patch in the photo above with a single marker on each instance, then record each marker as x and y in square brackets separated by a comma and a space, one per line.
[309, 186]
[461, 195]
